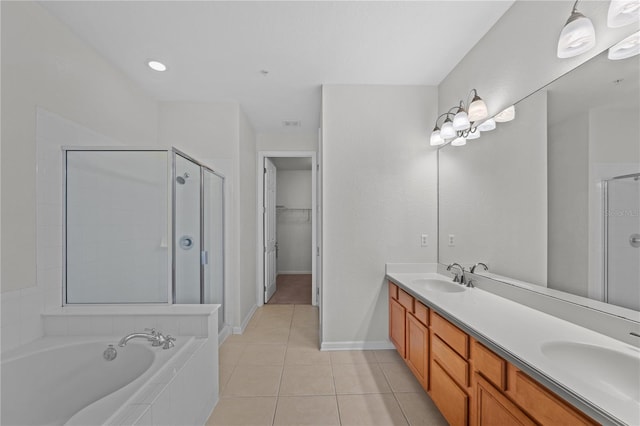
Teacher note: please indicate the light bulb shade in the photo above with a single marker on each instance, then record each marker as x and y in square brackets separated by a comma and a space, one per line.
[577, 36]
[459, 141]
[627, 48]
[473, 135]
[477, 109]
[436, 139]
[487, 125]
[623, 12]
[506, 115]
[447, 131]
[461, 121]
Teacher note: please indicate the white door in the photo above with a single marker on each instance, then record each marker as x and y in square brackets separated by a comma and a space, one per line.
[269, 220]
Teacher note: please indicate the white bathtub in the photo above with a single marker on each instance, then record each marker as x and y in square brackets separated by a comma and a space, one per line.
[66, 381]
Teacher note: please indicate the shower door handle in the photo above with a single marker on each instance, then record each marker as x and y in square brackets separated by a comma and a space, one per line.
[204, 257]
[634, 240]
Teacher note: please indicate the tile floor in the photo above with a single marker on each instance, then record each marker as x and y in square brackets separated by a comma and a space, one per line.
[274, 374]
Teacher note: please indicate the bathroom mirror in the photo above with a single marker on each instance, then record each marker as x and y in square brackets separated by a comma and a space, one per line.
[552, 198]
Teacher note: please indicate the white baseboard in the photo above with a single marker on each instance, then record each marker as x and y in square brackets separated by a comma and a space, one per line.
[224, 333]
[293, 273]
[243, 326]
[356, 346]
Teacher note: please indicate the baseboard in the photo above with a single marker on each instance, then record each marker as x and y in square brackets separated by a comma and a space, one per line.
[293, 273]
[356, 346]
[243, 326]
[224, 333]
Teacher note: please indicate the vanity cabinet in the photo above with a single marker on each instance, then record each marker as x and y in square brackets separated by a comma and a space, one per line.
[468, 382]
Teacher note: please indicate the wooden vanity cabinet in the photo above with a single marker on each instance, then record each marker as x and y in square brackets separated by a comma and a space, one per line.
[468, 382]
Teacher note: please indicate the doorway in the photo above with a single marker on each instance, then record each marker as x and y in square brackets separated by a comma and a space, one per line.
[287, 249]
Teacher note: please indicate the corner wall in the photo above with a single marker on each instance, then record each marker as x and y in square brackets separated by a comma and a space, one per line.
[379, 195]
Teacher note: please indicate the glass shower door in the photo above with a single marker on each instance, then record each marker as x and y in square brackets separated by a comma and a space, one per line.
[186, 245]
[213, 255]
[622, 239]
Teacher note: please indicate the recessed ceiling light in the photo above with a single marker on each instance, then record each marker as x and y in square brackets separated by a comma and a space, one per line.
[157, 66]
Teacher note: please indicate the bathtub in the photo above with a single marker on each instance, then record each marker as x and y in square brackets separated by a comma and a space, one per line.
[67, 381]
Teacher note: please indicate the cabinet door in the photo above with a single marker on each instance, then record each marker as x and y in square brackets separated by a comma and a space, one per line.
[452, 401]
[494, 409]
[417, 349]
[397, 327]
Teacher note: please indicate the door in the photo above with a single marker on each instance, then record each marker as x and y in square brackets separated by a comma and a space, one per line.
[213, 241]
[269, 220]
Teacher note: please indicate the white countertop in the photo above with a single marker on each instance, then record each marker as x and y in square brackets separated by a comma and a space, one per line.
[518, 332]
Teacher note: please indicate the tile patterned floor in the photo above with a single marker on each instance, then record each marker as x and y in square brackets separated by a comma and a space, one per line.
[274, 374]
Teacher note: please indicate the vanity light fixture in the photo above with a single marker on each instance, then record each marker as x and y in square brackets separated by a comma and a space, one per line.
[462, 125]
[487, 125]
[623, 12]
[459, 141]
[626, 48]
[156, 65]
[577, 36]
[506, 115]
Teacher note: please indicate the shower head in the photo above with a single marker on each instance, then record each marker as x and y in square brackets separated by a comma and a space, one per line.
[182, 179]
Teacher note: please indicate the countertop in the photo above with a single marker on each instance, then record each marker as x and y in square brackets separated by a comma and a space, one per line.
[517, 333]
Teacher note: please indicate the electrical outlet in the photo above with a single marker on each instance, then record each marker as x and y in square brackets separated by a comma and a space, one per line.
[452, 240]
[424, 240]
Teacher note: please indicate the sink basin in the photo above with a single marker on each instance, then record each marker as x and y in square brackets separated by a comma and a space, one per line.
[431, 284]
[616, 372]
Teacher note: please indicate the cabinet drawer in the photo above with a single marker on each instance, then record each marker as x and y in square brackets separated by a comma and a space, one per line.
[421, 312]
[454, 364]
[405, 300]
[491, 366]
[542, 405]
[450, 334]
[393, 290]
[452, 401]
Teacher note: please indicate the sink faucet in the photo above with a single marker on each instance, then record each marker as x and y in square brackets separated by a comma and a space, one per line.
[458, 277]
[157, 338]
[473, 268]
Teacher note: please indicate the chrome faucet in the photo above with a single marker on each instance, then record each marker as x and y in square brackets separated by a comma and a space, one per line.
[458, 277]
[155, 337]
[473, 268]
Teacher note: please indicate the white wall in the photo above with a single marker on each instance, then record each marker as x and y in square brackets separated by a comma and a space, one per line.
[379, 195]
[568, 254]
[247, 235]
[294, 225]
[44, 64]
[493, 197]
[287, 141]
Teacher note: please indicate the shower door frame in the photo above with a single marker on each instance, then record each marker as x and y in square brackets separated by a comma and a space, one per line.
[171, 210]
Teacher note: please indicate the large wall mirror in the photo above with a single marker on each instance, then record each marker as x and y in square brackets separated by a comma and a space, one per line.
[552, 198]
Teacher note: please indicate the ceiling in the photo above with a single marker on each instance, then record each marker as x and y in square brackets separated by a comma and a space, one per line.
[217, 50]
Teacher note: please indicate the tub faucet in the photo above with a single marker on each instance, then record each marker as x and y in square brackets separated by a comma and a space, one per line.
[155, 337]
[459, 277]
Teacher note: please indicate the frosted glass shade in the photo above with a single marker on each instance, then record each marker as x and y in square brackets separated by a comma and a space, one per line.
[447, 131]
[436, 139]
[576, 37]
[506, 115]
[473, 135]
[477, 110]
[461, 121]
[627, 48]
[459, 141]
[623, 12]
[487, 125]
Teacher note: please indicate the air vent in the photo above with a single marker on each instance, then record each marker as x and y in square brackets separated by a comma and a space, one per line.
[291, 123]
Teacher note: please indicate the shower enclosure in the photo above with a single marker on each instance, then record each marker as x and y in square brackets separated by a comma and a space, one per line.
[622, 241]
[142, 226]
